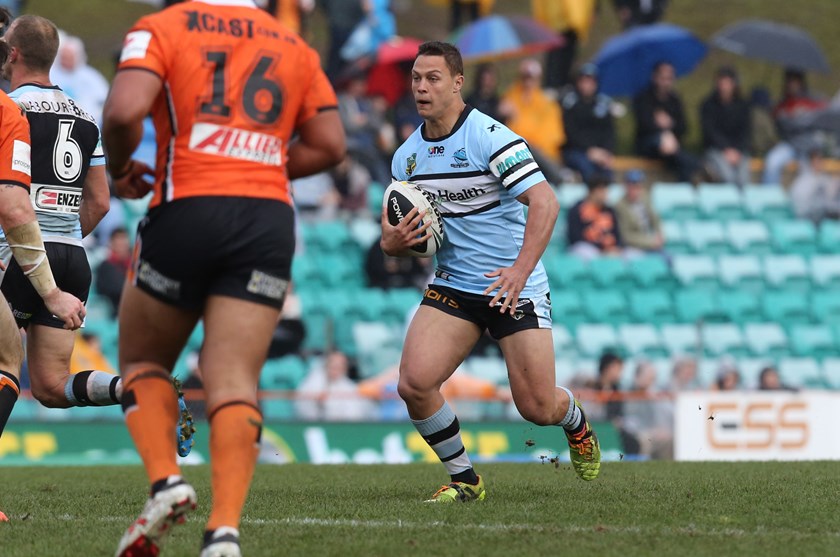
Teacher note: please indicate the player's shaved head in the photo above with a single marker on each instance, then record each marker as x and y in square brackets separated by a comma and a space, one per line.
[36, 38]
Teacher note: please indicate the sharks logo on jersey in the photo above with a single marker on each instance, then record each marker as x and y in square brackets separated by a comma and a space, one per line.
[475, 174]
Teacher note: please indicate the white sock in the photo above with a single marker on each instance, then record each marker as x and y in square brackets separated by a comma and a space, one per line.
[93, 388]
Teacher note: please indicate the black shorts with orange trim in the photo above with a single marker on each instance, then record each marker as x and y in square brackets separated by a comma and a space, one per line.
[196, 247]
[71, 271]
[531, 313]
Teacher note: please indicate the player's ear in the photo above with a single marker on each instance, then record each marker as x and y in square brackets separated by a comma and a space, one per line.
[459, 83]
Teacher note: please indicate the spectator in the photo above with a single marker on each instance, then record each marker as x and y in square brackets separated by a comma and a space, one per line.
[384, 271]
[351, 181]
[485, 93]
[88, 354]
[80, 81]
[110, 276]
[592, 225]
[377, 27]
[639, 12]
[661, 123]
[610, 370]
[589, 126]
[466, 11]
[530, 113]
[363, 119]
[684, 375]
[572, 20]
[342, 18]
[795, 126]
[328, 393]
[638, 224]
[649, 418]
[406, 117]
[316, 196]
[290, 12]
[815, 194]
[769, 380]
[290, 332]
[728, 376]
[763, 133]
[725, 119]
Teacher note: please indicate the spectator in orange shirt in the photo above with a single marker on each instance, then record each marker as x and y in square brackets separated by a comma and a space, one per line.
[591, 226]
[529, 112]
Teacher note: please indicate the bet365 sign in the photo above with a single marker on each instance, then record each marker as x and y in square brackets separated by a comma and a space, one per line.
[757, 426]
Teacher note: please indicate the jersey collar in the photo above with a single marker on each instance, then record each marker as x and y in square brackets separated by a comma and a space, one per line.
[242, 3]
[460, 122]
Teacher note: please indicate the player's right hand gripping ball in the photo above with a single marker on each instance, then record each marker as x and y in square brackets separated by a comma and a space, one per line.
[402, 197]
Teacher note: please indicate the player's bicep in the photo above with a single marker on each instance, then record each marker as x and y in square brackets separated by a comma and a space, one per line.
[95, 189]
[132, 95]
[540, 193]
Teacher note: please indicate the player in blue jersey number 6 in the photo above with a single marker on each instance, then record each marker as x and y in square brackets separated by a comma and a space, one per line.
[489, 275]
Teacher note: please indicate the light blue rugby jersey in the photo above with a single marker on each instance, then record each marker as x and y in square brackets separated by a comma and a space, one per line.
[65, 143]
[475, 173]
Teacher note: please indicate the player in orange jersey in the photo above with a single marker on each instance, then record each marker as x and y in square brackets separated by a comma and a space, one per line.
[227, 86]
[17, 218]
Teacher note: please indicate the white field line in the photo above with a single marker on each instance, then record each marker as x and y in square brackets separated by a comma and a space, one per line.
[689, 530]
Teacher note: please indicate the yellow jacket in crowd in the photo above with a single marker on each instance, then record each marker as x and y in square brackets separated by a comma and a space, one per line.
[535, 117]
[565, 14]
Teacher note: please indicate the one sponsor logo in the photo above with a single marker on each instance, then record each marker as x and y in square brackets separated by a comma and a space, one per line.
[236, 144]
[442, 275]
[395, 205]
[493, 127]
[135, 45]
[161, 284]
[460, 157]
[23, 316]
[436, 151]
[22, 157]
[463, 195]
[514, 159]
[442, 298]
[267, 285]
[56, 199]
[411, 164]
[521, 302]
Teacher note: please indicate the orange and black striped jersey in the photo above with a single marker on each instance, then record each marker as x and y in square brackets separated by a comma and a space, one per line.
[236, 85]
[15, 150]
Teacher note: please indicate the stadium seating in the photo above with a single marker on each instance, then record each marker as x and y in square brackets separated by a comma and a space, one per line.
[675, 201]
[748, 236]
[825, 271]
[795, 236]
[641, 340]
[801, 372]
[593, 339]
[723, 339]
[720, 201]
[814, 341]
[767, 203]
[650, 272]
[696, 271]
[610, 272]
[651, 306]
[741, 271]
[787, 272]
[694, 305]
[766, 339]
[606, 306]
[706, 237]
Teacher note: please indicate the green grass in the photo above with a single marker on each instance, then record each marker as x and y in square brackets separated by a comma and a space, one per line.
[633, 509]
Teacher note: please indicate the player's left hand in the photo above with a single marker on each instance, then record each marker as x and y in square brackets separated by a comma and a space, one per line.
[509, 281]
[131, 183]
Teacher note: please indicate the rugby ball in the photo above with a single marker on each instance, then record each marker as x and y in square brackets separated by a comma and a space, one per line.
[402, 197]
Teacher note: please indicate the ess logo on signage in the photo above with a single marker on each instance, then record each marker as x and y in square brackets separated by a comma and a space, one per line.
[758, 425]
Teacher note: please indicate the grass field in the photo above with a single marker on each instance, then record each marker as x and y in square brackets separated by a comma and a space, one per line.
[532, 509]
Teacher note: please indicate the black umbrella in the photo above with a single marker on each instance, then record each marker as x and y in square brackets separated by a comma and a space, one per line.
[779, 43]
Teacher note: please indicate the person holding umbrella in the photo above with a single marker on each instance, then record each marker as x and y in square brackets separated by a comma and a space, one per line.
[661, 123]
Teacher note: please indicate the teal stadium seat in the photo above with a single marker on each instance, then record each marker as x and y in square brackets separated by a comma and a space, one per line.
[741, 271]
[813, 341]
[401, 302]
[680, 339]
[489, 368]
[825, 307]
[606, 306]
[723, 339]
[676, 240]
[284, 373]
[801, 372]
[641, 340]
[787, 272]
[794, 236]
[651, 306]
[650, 271]
[564, 344]
[786, 307]
[375, 198]
[569, 194]
[364, 233]
[749, 237]
[740, 306]
[766, 340]
[767, 203]
[594, 339]
[692, 305]
[831, 372]
[695, 271]
[567, 308]
[720, 201]
[610, 272]
[566, 271]
[676, 201]
[328, 236]
[829, 238]
[307, 273]
[825, 271]
[706, 237]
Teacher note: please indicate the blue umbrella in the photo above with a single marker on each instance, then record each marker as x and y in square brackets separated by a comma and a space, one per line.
[497, 36]
[626, 61]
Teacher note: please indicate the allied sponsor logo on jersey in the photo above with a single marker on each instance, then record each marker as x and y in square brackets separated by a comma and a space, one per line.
[56, 199]
[510, 161]
[460, 157]
[411, 164]
[463, 195]
[22, 157]
[236, 143]
[437, 151]
[135, 45]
